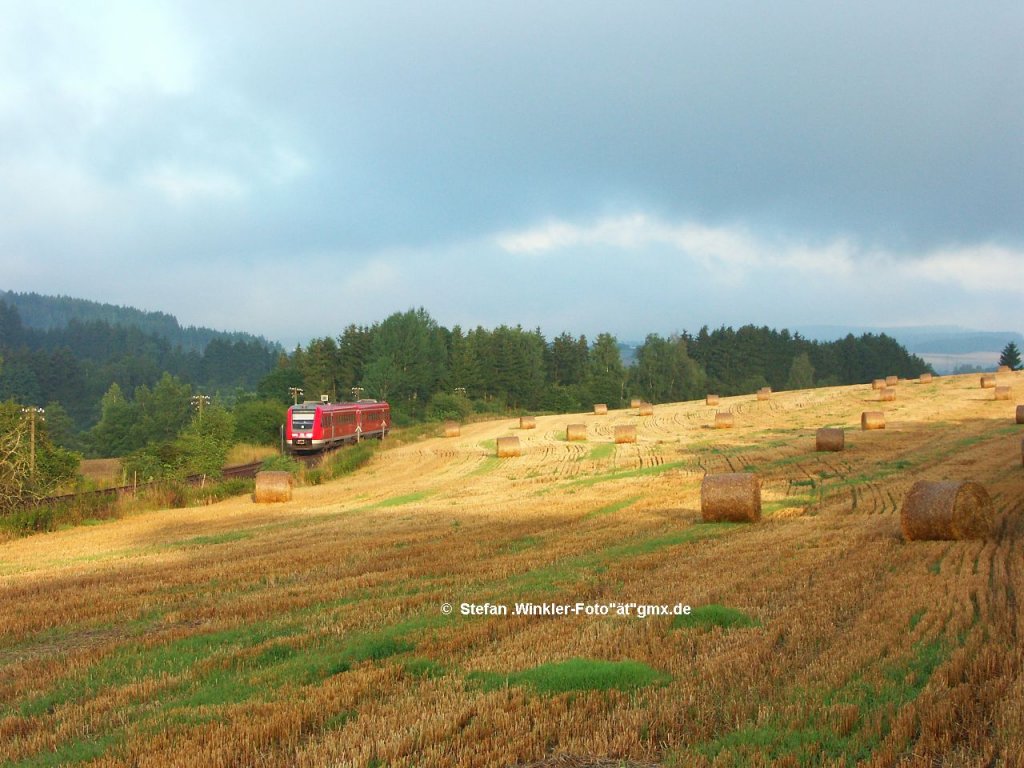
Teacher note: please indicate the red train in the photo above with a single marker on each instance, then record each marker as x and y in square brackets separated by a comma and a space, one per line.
[313, 426]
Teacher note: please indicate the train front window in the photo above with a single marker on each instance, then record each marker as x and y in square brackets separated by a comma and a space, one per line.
[302, 419]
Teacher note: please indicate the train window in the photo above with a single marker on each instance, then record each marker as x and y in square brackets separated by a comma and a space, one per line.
[302, 419]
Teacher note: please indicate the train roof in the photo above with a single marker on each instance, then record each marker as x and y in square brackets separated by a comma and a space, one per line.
[312, 405]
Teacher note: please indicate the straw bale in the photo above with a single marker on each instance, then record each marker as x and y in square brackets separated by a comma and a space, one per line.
[1020, 414]
[1002, 393]
[1003, 369]
[830, 439]
[887, 395]
[508, 446]
[625, 433]
[892, 381]
[947, 510]
[731, 496]
[872, 420]
[600, 409]
[635, 402]
[273, 486]
[764, 393]
[645, 409]
[527, 422]
[724, 420]
[576, 432]
[926, 378]
[878, 384]
[452, 429]
[711, 400]
[988, 382]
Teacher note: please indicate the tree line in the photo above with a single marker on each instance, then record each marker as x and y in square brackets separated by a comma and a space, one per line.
[113, 390]
[428, 371]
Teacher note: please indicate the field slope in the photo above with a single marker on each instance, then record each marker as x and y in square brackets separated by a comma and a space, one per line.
[311, 633]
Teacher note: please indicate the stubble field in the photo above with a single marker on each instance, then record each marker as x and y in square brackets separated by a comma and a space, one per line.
[311, 632]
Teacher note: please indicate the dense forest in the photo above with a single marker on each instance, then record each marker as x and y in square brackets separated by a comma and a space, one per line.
[111, 389]
[55, 312]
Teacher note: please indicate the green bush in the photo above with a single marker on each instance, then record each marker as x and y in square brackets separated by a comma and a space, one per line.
[443, 406]
[281, 463]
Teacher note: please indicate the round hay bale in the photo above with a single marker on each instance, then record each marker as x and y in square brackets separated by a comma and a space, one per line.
[576, 432]
[711, 400]
[926, 378]
[645, 409]
[887, 395]
[1003, 369]
[947, 510]
[635, 402]
[988, 382]
[273, 486]
[508, 446]
[764, 393]
[892, 381]
[732, 496]
[872, 420]
[600, 409]
[625, 433]
[452, 429]
[878, 384]
[1001, 393]
[527, 422]
[1020, 414]
[724, 420]
[830, 439]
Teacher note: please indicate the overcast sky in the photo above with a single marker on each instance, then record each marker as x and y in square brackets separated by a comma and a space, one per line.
[290, 168]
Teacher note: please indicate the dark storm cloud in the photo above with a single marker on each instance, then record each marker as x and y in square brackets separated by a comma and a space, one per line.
[899, 124]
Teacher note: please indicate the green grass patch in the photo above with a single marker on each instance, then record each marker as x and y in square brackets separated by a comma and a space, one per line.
[218, 538]
[423, 668]
[576, 675]
[398, 501]
[488, 465]
[601, 451]
[625, 473]
[78, 751]
[714, 615]
[610, 509]
[347, 460]
[817, 742]
[771, 507]
[340, 719]
[571, 570]
[695, 532]
[520, 544]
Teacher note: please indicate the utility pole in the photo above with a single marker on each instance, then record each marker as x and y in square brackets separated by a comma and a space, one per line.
[32, 412]
[198, 401]
[296, 393]
[356, 392]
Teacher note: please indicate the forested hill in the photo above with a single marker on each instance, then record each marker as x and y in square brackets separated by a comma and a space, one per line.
[75, 364]
[46, 313]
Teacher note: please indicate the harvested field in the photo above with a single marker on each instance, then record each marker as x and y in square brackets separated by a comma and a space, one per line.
[311, 632]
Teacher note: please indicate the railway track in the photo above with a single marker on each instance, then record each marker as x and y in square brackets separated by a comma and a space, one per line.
[237, 471]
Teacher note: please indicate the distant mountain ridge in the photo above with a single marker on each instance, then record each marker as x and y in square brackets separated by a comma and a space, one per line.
[49, 312]
[947, 348]
[935, 339]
